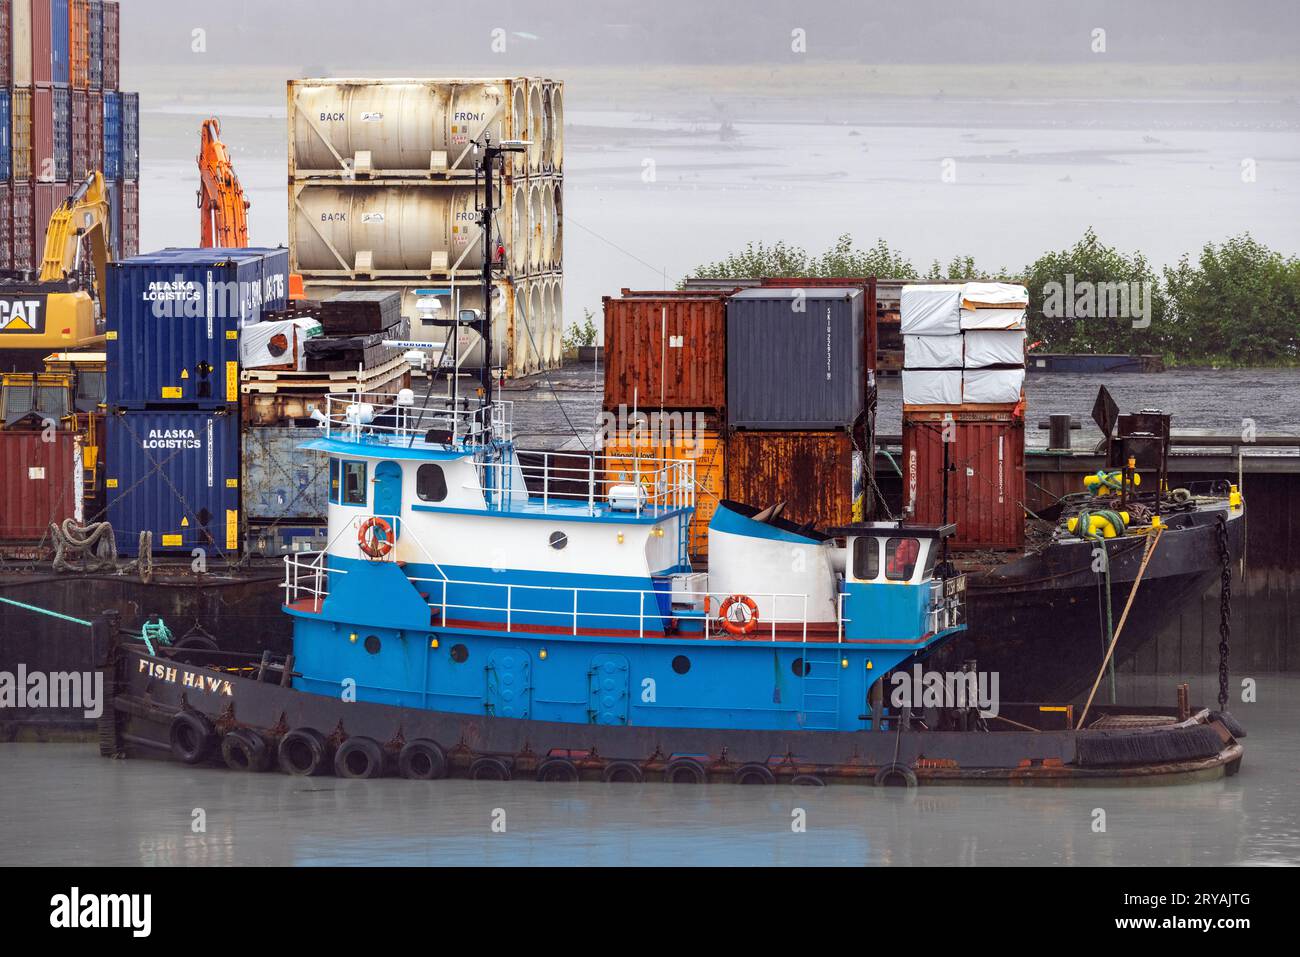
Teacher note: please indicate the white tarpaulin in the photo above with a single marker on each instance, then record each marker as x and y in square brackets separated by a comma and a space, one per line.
[993, 318]
[932, 387]
[930, 310]
[932, 352]
[994, 347]
[977, 295]
[266, 344]
[990, 386]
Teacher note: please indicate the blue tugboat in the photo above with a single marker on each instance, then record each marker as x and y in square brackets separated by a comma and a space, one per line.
[484, 614]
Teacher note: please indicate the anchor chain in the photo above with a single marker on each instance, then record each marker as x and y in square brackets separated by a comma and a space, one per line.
[1225, 610]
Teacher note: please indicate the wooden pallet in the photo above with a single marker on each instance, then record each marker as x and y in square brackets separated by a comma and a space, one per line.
[302, 378]
[323, 381]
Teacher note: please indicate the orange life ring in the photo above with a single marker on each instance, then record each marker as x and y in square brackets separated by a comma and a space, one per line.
[738, 627]
[373, 544]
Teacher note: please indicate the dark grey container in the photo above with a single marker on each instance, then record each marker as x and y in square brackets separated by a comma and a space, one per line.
[796, 358]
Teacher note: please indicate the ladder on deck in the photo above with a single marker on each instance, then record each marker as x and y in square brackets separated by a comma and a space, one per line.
[821, 688]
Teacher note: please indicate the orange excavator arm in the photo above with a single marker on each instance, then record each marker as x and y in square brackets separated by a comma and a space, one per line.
[223, 210]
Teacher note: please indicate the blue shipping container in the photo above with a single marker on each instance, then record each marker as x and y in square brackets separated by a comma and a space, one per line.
[62, 102]
[174, 319]
[95, 29]
[113, 135]
[6, 145]
[60, 40]
[114, 218]
[131, 136]
[175, 474]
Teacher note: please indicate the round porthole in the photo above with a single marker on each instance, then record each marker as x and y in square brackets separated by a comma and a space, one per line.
[681, 664]
[559, 540]
[800, 667]
[459, 653]
[372, 644]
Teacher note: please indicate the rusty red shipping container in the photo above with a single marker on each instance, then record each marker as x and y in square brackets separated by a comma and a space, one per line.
[6, 226]
[130, 228]
[112, 30]
[80, 136]
[40, 483]
[95, 129]
[50, 36]
[986, 474]
[6, 44]
[811, 472]
[43, 134]
[666, 350]
[868, 286]
[21, 226]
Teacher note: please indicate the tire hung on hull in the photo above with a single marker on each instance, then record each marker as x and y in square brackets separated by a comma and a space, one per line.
[359, 757]
[304, 752]
[191, 737]
[245, 750]
[422, 760]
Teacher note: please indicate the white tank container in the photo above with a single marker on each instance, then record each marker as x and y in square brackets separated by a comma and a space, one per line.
[537, 224]
[536, 126]
[557, 330]
[557, 127]
[399, 127]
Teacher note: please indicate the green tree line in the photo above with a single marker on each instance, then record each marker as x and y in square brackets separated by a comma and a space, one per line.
[1236, 303]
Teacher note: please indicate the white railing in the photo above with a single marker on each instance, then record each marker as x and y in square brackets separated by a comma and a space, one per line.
[378, 417]
[619, 482]
[307, 577]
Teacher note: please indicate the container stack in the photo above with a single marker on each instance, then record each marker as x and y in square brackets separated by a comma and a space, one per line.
[175, 323]
[61, 117]
[963, 409]
[382, 195]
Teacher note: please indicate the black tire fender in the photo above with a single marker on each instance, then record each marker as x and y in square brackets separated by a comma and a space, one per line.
[359, 757]
[422, 760]
[303, 751]
[245, 750]
[191, 736]
[895, 774]
[685, 771]
[558, 769]
[754, 774]
[808, 780]
[488, 768]
[622, 772]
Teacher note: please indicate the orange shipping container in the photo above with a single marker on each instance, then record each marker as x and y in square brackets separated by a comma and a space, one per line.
[707, 449]
[666, 350]
[40, 482]
[986, 474]
[813, 473]
[79, 43]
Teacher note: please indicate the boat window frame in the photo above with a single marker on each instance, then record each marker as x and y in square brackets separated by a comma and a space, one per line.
[861, 541]
[419, 485]
[335, 482]
[895, 541]
[363, 485]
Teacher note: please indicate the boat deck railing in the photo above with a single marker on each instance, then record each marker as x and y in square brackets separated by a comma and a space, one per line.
[307, 581]
[389, 419]
[603, 484]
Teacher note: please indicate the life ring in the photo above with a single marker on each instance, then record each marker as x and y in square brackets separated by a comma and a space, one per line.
[738, 627]
[375, 537]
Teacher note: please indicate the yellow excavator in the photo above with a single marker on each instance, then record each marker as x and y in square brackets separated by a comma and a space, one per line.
[56, 313]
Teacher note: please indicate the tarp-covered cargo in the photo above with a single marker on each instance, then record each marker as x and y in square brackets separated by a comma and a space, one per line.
[932, 386]
[932, 352]
[1013, 318]
[994, 347]
[992, 386]
[932, 310]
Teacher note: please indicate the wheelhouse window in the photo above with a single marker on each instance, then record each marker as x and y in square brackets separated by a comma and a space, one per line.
[430, 483]
[334, 481]
[866, 558]
[354, 483]
[900, 558]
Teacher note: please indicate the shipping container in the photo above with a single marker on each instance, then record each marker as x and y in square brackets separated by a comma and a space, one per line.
[46, 198]
[813, 473]
[704, 444]
[6, 43]
[62, 123]
[796, 358]
[50, 36]
[280, 482]
[40, 483]
[6, 144]
[868, 286]
[111, 44]
[405, 127]
[6, 226]
[114, 190]
[20, 46]
[130, 219]
[984, 454]
[22, 229]
[95, 39]
[95, 130]
[131, 136]
[79, 43]
[665, 350]
[112, 135]
[43, 166]
[174, 474]
[81, 167]
[20, 108]
[174, 320]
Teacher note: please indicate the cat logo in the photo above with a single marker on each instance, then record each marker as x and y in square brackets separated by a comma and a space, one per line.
[23, 315]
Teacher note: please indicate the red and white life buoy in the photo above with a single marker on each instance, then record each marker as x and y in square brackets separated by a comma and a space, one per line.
[375, 537]
[732, 625]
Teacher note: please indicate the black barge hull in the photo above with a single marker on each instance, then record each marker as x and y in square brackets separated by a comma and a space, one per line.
[165, 708]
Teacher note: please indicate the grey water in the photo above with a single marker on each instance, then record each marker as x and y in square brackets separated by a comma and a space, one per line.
[65, 805]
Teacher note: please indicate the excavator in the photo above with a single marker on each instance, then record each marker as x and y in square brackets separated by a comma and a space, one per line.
[223, 210]
[56, 312]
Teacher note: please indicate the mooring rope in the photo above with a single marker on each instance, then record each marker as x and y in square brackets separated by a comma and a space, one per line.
[46, 611]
